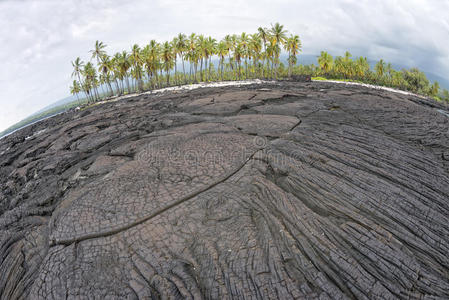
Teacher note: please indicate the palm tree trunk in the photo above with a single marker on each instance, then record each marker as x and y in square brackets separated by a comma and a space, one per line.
[183, 69]
[196, 72]
[110, 87]
[222, 68]
[127, 85]
[176, 81]
[210, 66]
[81, 84]
[230, 62]
[201, 70]
[191, 68]
[157, 79]
[239, 69]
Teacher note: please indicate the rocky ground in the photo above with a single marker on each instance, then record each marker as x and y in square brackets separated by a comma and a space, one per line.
[283, 190]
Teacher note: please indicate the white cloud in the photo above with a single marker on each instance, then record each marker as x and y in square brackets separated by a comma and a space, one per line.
[39, 38]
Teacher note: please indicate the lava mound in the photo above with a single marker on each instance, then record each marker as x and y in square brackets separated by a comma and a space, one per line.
[272, 190]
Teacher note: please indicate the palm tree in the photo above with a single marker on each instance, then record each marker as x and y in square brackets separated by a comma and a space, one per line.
[339, 66]
[222, 51]
[229, 41]
[193, 55]
[264, 34]
[181, 47]
[154, 59]
[136, 61]
[380, 69]
[244, 41]
[255, 47]
[238, 54]
[90, 76]
[105, 67]
[434, 89]
[174, 48]
[167, 58]
[270, 57]
[124, 66]
[75, 89]
[78, 65]
[325, 61]
[348, 68]
[209, 51]
[115, 63]
[362, 67]
[293, 46]
[98, 52]
[278, 37]
[201, 46]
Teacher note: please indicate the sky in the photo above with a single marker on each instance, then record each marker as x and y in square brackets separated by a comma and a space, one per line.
[40, 38]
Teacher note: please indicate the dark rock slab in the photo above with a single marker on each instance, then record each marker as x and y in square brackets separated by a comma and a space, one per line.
[283, 190]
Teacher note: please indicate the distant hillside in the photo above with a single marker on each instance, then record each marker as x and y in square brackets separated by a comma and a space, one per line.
[61, 102]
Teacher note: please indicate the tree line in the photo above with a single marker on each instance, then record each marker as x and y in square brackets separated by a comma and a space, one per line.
[190, 59]
[184, 60]
[358, 69]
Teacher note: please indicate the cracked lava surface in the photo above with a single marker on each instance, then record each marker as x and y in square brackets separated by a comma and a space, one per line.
[267, 191]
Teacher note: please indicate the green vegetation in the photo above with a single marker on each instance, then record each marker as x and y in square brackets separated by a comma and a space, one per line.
[344, 68]
[155, 65]
[42, 115]
[240, 57]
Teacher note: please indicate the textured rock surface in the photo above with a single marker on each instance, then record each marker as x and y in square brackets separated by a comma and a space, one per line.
[291, 190]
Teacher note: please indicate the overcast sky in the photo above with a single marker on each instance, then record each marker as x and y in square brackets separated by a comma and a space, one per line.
[39, 39]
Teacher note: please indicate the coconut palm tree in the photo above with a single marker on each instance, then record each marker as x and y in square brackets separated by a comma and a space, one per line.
[124, 66]
[209, 51]
[293, 46]
[278, 38]
[90, 76]
[362, 67]
[339, 66]
[174, 47]
[238, 54]
[75, 88]
[116, 72]
[201, 48]
[270, 58]
[434, 89]
[348, 65]
[136, 62]
[264, 34]
[380, 69]
[325, 61]
[229, 41]
[105, 67]
[255, 47]
[98, 51]
[78, 65]
[181, 48]
[243, 42]
[167, 58]
[193, 55]
[222, 51]
[154, 60]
